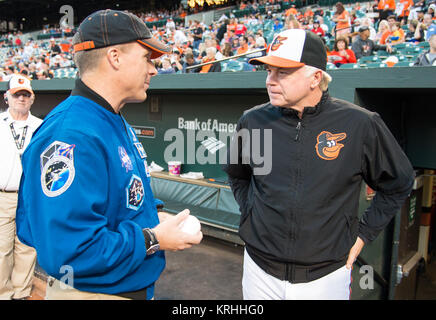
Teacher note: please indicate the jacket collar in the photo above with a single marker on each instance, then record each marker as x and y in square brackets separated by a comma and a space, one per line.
[309, 110]
[81, 89]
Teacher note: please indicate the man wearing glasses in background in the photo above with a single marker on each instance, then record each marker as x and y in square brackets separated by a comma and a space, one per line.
[17, 124]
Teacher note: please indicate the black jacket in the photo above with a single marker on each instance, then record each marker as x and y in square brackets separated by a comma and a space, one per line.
[305, 211]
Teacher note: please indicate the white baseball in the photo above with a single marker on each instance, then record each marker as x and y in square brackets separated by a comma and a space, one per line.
[190, 225]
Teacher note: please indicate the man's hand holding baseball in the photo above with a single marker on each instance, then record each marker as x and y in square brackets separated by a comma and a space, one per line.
[170, 235]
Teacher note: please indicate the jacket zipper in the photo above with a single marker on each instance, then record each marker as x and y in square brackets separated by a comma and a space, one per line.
[297, 136]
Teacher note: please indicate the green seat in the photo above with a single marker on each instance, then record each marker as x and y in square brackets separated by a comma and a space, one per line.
[404, 64]
[376, 65]
[368, 59]
[382, 54]
[411, 50]
[224, 67]
[349, 66]
[234, 66]
[268, 26]
[412, 57]
[269, 36]
[57, 73]
[401, 46]
[360, 14]
[424, 45]
[331, 66]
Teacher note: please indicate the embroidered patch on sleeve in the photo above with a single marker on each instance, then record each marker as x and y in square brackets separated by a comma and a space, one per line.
[125, 159]
[141, 150]
[57, 168]
[147, 169]
[135, 193]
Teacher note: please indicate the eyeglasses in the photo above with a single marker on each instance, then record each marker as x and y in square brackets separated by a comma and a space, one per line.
[24, 94]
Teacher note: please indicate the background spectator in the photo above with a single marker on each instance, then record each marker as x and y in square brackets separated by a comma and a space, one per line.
[341, 54]
[383, 27]
[166, 67]
[363, 46]
[342, 19]
[189, 61]
[210, 56]
[316, 28]
[415, 33]
[428, 58]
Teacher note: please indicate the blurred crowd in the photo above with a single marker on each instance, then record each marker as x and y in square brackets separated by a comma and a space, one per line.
[349, 31]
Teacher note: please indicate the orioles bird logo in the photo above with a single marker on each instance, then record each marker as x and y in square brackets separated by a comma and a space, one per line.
[277, 43]
[20, 81]
[327, 146]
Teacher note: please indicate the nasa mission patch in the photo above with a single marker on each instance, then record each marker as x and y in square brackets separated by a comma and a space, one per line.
[135, 193]
[57, 168]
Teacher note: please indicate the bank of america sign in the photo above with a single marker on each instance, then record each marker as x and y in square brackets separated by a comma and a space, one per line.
[213, 145]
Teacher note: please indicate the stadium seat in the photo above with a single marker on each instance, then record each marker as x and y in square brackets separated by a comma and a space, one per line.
[410, 50]
[382, 54]
[224, 66]
[368, 59]
[404, 64]
[401, 46]
[269, 36]
[331, 66]
[268, 26]
[412, 57]
[349, 66]
[376, 65]
[360, 14]
[424, 45]
[234, 66]
[65, 73]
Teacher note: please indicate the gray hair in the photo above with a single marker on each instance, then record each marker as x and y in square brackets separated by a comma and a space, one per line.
[325, 80]
[211, 50]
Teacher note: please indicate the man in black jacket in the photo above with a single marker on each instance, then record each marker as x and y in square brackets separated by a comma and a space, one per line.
[299, 208]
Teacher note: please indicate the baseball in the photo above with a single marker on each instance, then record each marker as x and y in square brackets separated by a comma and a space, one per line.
[190, 225]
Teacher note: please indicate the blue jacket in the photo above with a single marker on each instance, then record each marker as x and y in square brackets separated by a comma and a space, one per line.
[85, 197]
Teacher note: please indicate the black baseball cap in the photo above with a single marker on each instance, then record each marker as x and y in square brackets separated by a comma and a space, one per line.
[363, 28]
[295, 48]
[105, 28]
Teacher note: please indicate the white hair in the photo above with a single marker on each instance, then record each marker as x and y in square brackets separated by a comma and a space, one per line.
[260, 41]
[211, 50]
[325, 80]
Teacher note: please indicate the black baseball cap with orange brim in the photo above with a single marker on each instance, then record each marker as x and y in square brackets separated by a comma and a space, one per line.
[105, 28]
[295, 48]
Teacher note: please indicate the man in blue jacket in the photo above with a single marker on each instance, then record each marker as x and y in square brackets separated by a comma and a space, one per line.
[85, 202]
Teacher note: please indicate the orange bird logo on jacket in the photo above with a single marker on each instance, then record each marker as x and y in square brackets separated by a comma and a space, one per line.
[277, 43]
[328, 146]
